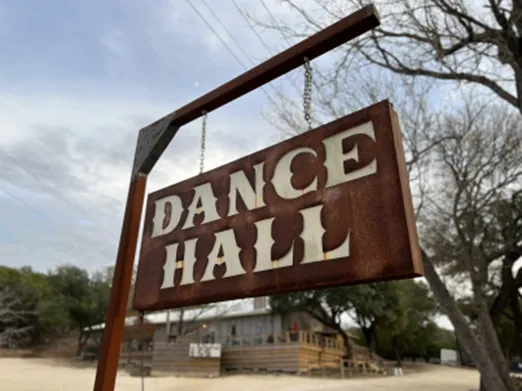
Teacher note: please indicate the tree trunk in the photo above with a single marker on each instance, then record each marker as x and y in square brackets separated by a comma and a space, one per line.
[516, 345]
[482, 386]
[397, 352]
[82, 340]
[347, 345]
[489, 336]
[499, 304]
[459, 351]
[514, 284]
[484, 360]
[368, 336]
[510, 286]
[80, 345]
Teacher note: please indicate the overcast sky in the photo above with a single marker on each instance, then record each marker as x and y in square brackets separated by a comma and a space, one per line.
[77, 82]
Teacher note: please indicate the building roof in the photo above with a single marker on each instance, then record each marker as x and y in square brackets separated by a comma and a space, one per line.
[228, 309]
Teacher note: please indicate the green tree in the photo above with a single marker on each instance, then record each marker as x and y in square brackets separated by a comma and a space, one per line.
[370, 304]
[407, 325]
[326, 306]
[83, 298]
[393, 306]
[30, 289]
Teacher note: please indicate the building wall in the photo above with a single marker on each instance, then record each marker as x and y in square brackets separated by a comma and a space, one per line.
[303, 320]
[248, 326]
[222, 328]
[260, 302]
[245, 326]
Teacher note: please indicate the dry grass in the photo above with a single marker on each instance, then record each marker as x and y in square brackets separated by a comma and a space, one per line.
[46, 375]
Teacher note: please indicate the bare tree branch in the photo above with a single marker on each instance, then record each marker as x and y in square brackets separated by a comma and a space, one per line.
[13, 327]
[452, 40]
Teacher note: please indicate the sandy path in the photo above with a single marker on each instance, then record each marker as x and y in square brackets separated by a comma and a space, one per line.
[41, 375]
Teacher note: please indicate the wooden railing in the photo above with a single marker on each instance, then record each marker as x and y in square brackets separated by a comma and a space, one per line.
[303, 338]
[358, 352]
[347, 367]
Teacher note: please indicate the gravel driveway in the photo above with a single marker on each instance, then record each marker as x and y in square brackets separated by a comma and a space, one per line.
[44, 375]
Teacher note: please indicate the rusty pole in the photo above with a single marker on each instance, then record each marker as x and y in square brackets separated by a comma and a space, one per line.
[155, 138]
[109, 354]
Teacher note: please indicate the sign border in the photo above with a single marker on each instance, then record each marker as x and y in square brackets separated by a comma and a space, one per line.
[382, 111]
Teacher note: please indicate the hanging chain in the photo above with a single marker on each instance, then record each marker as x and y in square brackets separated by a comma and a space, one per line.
[142, 326]
[307, 95]
[203, 142]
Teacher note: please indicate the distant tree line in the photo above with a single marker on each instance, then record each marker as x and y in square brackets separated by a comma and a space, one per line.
[394, 319]
[38, 308]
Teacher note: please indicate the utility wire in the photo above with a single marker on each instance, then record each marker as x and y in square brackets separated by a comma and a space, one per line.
[38, 211]
[269, 50]
[54, 190]
[242, 49]
[271, 15]
[289, 42]
[228, 47]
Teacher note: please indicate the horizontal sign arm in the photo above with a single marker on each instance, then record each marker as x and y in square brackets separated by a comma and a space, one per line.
[155, 138]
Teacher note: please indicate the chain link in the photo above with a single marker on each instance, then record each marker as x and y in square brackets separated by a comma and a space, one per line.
[307, 95]
[203, 142]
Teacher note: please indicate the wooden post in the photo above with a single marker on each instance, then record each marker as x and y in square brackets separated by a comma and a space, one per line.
[117, 311]
[342, 368]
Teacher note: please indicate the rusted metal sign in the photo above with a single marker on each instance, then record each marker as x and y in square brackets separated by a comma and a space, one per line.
[329, 207]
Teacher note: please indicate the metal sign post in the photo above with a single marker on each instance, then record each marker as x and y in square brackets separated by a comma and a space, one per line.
[155, 138]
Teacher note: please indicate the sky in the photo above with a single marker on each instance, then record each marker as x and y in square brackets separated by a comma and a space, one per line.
[77, 82]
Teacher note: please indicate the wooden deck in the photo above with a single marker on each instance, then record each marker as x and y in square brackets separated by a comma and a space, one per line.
[289, 352]
[294, 352]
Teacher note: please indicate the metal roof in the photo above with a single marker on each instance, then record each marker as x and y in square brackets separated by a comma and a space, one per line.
[228, 309]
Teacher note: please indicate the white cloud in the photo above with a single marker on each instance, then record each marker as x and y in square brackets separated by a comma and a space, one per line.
[116, 43]
[91, 139]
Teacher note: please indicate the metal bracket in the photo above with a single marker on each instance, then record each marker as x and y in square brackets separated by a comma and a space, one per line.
[152, 141]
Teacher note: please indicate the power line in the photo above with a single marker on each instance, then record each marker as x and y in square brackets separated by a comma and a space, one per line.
[38, 211]
[241, 47]
[270, 51]
[227, 46]
[52, 189]
[252, 27]
[271, 15]
[288, 41]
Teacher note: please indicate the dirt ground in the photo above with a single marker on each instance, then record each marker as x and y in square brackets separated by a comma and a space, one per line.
[44, 375]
